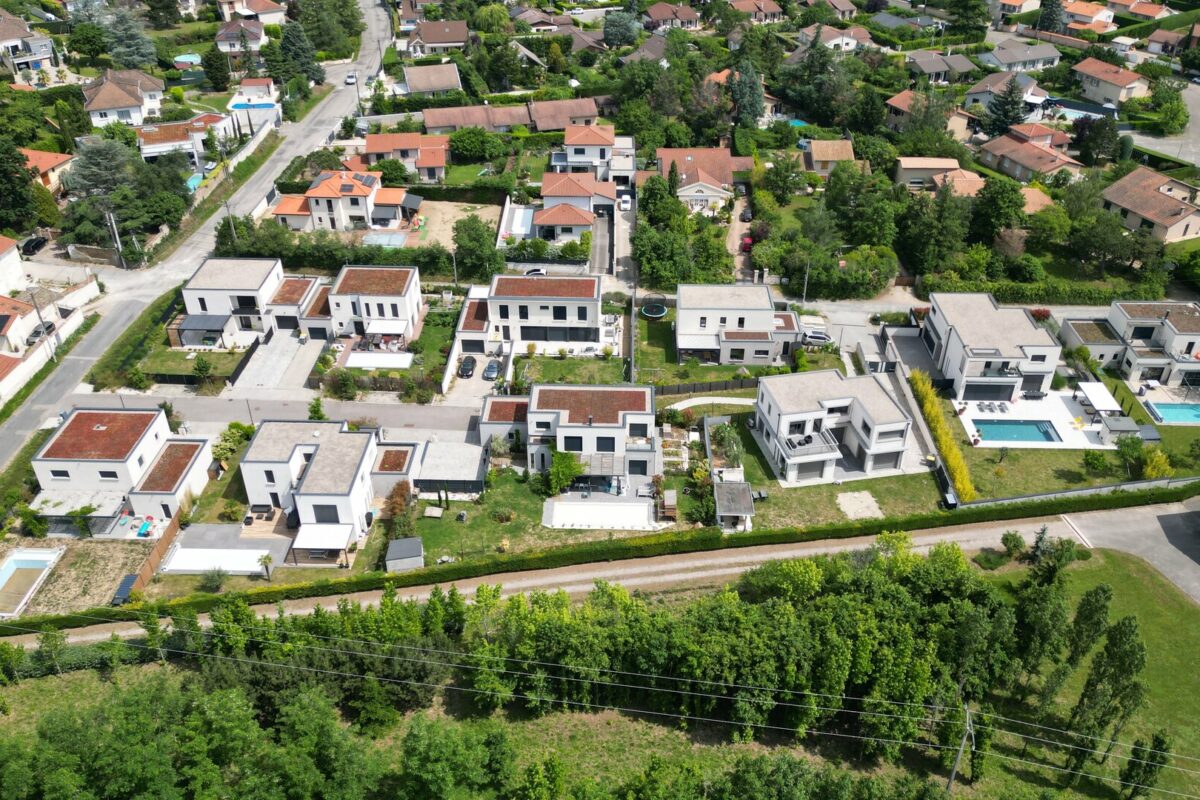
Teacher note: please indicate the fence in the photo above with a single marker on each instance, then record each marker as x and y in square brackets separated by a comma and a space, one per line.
[186, 379]
[1127, 486]
[710, 386]
[157, 554]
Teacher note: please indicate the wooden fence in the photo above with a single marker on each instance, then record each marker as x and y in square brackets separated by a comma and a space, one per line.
[157, 554]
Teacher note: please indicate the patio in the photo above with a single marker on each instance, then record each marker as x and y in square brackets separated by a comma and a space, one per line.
[848, 467]
[1076, 427]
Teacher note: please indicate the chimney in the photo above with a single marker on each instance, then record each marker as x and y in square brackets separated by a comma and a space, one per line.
[589, 420]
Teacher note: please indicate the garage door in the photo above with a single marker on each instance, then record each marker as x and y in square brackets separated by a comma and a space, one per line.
[809, 470]
[987, 391]
[287, 323]
[637, 467]
[1032, 383]
[472, 345]
[319, 334]
[888, 461]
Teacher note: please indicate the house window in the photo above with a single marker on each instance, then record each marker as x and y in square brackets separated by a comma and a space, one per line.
[503, 312]
[60, 474]
[326, 515]
[1038, 359]
[606, 444]
[354, 202]
[270, 475]
[797, 428]
[737, 354]
[762, 353]
[866, 429]
[704, 322]
[395, 310]
[379, 307]
[741, 322]
[203, 304]
[141, 460]
[838, 411]
[108, 474]
[581, 313]
[722, 320]
[818, 424]
[560, 313]
[638, 430]
[543, 426]
[573, 444]
[579, 151]
[523, 312]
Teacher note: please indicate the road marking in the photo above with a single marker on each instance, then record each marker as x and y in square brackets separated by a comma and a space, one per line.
[1078, 532]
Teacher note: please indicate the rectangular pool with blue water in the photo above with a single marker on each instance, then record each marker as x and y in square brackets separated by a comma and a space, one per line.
[1176, 413]
[1017, 430]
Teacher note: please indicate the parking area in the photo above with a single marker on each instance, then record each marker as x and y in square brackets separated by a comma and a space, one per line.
[283, 363]
[469, 392]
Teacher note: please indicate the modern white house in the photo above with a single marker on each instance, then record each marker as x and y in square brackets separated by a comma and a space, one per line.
[586, 148]
[187, 137]
[549, 312]
[1145, 341]
[810, 422]
[570, 203]
[987, 351]
[610, 429]
[121, 464]
[22, 48]
[233, 292]
[368, 300]
[319, 474]
[722, 324]
[126, 95]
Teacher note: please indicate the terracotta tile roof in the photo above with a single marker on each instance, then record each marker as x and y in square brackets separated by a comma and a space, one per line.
[7, 365]
[7, 244]
[168, 132]
[387, 143]
[831, 150]
[430, 157]
[1035, 199]
[390, 196]
[563, 214]
[924, 162]
[1032, 156]
[262, 6]
[380, 281]
[785, 321]
[584, 135]
[21, 87]
[295, 205]
[604, 404]
[319, 308]
[166, 472]
[1144, 192]
[441, 32]
[257, 81]
[344, 184]
[902, 101]
[475, 316]
[291, 291]
[99, 435]
[754, 7]
[356, 164]
[1108, 73]
[545, 286]
[715, 161]
[12, 307]
[394, 460]
[507, 410]
[1099, 26]
[1083, 9]
[477, 117]
[42, 161]
[1150, 10]
[119, 89]
[556, 115]
[961, 182]
[661, 12]
[576, 184]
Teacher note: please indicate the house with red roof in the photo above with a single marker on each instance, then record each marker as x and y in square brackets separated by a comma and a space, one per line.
[267, 12]
[423, 155]
[368, 300]
[186, 137]
[665, 15]
[1027, 151]
[1102, 82]
[51, 167]
[705, 174]
[570, 203]
[762, 12]
[344, 200]
[547, 311]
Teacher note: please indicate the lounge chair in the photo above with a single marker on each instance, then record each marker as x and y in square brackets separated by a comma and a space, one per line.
[1003, 408]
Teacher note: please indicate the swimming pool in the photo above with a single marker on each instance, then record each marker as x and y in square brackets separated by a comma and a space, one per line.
[797, 123]
[239, 106]
[1177, 413]
[1017, 430]
[193, 183]
[21, 575]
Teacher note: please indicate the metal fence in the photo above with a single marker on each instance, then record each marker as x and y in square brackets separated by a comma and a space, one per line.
[710, 386]
[1127, 486]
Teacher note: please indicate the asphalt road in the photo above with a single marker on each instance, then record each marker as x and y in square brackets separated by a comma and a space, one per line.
[1185, 145]
[128, 292]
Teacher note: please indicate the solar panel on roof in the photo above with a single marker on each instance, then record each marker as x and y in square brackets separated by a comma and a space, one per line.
[347, 187]
[368, 180]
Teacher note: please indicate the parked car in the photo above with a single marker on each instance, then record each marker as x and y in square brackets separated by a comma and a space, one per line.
[747, 244]
[1196, 80]
[817, 337]
[536, 272]
[492, 371]
[625, 203]
[467, 368]
[747, 215]
[575, 12]
[352, 77]
[40, 330]
[32, 245]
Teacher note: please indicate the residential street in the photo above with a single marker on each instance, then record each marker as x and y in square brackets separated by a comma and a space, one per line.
[1185, 145]
[128, 292]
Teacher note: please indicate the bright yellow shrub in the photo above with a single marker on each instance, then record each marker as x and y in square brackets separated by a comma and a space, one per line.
[943, 438]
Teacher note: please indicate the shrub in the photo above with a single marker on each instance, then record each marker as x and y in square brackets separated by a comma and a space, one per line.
[1040, 314]
[952, 457]
[213, 580]
[1014, 543]
[1095, 462]
[991, 559]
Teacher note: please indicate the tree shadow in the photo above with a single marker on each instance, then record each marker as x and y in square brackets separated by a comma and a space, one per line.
[1069, 476]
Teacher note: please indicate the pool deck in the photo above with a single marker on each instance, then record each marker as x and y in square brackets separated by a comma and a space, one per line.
[1161, 395]
[1073, 424]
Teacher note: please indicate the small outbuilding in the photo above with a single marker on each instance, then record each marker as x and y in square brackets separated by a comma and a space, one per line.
[735, 505]
[405, 554]
[1114, 427]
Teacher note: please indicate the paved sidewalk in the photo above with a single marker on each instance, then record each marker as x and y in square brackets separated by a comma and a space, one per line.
[703, 401]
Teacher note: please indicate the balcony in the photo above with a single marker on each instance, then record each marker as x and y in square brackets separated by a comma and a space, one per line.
[246, 311]
[820, 443]
[980, 371]
[642, 444]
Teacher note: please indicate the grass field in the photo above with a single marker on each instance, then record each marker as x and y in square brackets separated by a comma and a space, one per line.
[548, 369]
[463, 174]
[163, 360]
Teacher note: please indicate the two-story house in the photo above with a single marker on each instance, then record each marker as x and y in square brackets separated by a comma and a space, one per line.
[189, 137]
[733, 325]
[319, 473]
[423, 155]
[237, 37]
[126, 95]
[1013, 55]
[586, 148]
[370, 300]
[265, 11]
[705, 174]
[547, 311]
[991, 86]
[808, 422]
[989, 352]
[1150, 201]
[1027, 151]
[345, 200]
[937, 67]
[610, 429]
[22, 48]
[665, 15]
[1159, 341]
[434, 38]
[570, 202]
[120, 463]
[762, 12]
[228, 295]
[1083, 16]
[1102, 82]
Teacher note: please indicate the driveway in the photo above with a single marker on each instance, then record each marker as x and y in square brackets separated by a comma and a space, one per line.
[1167, 536]
[623, 222]
[278, 364]
[742, 271]
[601, 238]
[1185, 145]
[469, 392]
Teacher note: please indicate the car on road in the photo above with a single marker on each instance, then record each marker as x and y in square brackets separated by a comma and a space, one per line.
[575, 12]
[536, 272]
[625, 203]
[492, 371]
[747, 244]
[39, 330]
[352, 78]
[817, 337]
[467, 367]
[747, 215]
[1196, 80]
[33, 244]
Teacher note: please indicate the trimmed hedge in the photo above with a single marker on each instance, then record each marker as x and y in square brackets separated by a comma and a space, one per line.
[1144, 29]
[1056, 291]
[475, 194]
[952, 457]
[657, 544]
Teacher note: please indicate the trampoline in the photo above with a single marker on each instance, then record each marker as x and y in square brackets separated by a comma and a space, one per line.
[654, 308]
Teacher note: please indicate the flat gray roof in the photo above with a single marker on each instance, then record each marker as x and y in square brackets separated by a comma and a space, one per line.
[451, 461]
[733, 499]
[803, 392]
[410, 547]
[337, 453]
[203, 322]
[724, 296]
[231, 273]
[983, 325]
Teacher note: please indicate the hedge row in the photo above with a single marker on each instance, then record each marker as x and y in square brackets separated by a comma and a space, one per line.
[1054, 291]
[884, 36]
[657, 544]
[952, 457]
[1144, 29]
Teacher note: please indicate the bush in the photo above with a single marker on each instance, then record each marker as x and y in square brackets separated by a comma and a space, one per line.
[1053, 291]
[952, 457]
[213, 580]
[991, 559]
[1014, 543]
[1095, 462]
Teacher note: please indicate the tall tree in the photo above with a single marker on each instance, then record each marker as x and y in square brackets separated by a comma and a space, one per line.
[88, 40]
[492, 18]
[297, 49]
[162, 13]
[99, 168]
[968, 16]
[1097, 139]
[1091, 620]
[1007, 108]
[216, 68]
[475, 249]
[745, 87]
[16, 193]
[1051, 17]
[556, 62]
[998, 205]
[1141, 771]
[620, 29]
[129, 45]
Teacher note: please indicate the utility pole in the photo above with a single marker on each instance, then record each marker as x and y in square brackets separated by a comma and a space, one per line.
[804, 296]
[968, 731]
[116, 238]
[45, 334]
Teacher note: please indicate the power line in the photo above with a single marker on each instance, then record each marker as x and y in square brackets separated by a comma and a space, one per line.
[1095, 750]
[1096, 777]
[1092, 738]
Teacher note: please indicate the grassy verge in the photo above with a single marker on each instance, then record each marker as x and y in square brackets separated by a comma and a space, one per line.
[19, 473]
[548, 369]
[35, 380]
[209, 205]
[109, 372]
[211, 502]
[319, 94]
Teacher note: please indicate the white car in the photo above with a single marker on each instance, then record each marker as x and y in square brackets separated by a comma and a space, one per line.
[575, 12]
[817, 337]
[352, 79]
[625, 203]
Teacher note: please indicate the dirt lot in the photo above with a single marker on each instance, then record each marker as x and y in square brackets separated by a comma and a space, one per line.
[87, 574]
[441, 216]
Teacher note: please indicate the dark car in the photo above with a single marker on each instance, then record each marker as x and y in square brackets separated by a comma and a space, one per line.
[747, 215]
[467, 368]
[32, 245]
[492, 371]
[40, 330]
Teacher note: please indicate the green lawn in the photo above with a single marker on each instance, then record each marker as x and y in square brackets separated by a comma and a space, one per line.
[549, 369]
[216, 100]
[209, 504]
[537, 164]
[162, 360]
[111, 369]
[462, 174]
